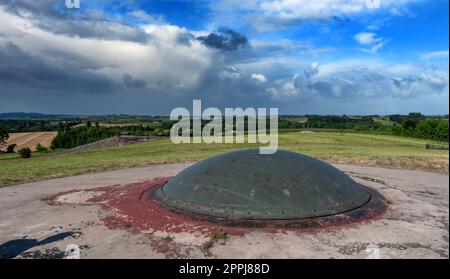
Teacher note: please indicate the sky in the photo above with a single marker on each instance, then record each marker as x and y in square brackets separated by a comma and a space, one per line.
[354, 57]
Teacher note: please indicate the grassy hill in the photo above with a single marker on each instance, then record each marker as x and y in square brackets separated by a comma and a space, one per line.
[348, 148]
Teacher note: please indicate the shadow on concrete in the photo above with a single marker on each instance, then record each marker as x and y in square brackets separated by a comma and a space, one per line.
[13, 248]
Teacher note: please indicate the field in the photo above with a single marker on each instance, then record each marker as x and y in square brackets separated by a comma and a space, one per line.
[30, 139]
[384, 121]
[345, 148]
[114, 125]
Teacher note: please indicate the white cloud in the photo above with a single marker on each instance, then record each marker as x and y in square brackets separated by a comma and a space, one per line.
[231, 72]
[259, 78]
[443, 54]
[306, 9]
[267, 15]
[363, 78]
[370, 41]
[366, 38]
[143, 15]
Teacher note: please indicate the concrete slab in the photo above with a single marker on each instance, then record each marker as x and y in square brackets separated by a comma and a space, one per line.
[415, 226]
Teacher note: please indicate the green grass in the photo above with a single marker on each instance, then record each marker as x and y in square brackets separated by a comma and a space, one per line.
[384, 121]
[349, 148]
[12, 156]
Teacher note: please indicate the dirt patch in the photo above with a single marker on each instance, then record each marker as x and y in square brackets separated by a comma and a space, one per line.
[79, 197]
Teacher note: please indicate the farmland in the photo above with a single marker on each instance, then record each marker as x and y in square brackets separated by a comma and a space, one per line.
[335, 147]
[31, 139]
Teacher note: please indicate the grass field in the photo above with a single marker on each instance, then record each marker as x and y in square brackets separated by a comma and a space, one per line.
[347, 148]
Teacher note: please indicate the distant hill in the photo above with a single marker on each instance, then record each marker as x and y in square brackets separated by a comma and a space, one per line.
[31, 115]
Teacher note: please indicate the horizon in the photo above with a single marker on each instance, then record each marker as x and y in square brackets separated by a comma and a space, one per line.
[167, 116]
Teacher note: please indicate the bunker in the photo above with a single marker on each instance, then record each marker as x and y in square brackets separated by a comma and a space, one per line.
[245, 185]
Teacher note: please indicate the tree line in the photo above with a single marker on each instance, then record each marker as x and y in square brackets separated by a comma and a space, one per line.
[68, 137]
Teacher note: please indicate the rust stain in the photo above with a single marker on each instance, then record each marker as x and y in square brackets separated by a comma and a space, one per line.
[131, 207]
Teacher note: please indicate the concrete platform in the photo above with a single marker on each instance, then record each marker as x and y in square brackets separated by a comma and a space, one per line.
[415, 225]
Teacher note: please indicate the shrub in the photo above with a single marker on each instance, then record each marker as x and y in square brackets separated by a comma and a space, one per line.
[25, 153]
[40, 148]
[3, 135]
[10, 148]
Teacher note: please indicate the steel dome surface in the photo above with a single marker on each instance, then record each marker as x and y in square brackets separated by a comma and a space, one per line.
[244, 185]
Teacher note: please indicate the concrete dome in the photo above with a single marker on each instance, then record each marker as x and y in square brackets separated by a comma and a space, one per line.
[244, 185]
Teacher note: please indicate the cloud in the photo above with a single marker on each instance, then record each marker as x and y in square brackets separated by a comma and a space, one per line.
[370, 41]
[269, 15]
[424, 83]
[225, 39]
[259, 78]
[89, 24]
[42, 59]
[129, 81]
[362, 79]
[443, 54]
[42, 69]
[366, 38]
[24, 69]
[144, 16]
[231, 72]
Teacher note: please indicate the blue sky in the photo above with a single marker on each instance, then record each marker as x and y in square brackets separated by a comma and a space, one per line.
[148, 57]
[422, 27]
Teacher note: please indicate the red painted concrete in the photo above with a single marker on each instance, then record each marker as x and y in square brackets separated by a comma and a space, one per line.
[131, 207]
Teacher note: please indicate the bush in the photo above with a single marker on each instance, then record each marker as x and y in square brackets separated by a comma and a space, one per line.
[40, 148]
[3, 135]
[10, 148]
[25, 153]
[166, 124]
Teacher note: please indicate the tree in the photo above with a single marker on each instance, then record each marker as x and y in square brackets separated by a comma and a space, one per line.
[60, 127]
[416, 116]
[40, 148]
[3, 135]
[166, 124]
[10, 148]
[442, 130]
[25, 153]
[409, 124]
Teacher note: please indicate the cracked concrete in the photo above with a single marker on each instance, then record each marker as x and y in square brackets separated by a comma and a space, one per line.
[416, 224]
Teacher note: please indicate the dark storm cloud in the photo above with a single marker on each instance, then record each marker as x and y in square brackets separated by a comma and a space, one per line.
[185, 38]
[225, 39]
[22, 68]
[50, 16]
[129, 81]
